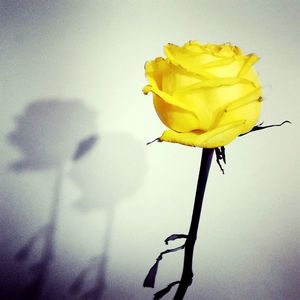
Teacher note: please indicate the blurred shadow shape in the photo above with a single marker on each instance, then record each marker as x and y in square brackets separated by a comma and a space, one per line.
[40, 269]
[84, 147]
[97, 267]
[112, 171]
[50, 134]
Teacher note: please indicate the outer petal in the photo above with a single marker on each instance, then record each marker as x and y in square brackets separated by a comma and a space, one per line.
[155, 70]
[175, 117]
[165, 76]
[248, 106]
[217, 137]
[167, 98]
[249, 62]
[250, 112]
[165, 79]
[171, 112]
[208, 99]
[198, 97]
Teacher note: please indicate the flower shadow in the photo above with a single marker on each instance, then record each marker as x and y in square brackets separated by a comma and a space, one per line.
[120, 169]
[49, 134]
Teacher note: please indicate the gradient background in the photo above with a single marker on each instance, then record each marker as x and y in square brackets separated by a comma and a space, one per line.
[94, 52]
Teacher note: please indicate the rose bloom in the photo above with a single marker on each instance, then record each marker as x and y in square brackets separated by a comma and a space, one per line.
[206, 95]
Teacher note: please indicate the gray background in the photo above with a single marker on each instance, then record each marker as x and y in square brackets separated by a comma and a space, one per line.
[94, 51]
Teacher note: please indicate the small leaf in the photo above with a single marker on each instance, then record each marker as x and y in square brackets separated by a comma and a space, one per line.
[174, 237]
[151, 276]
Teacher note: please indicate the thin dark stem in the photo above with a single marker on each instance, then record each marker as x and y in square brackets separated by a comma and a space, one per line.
[187, 273]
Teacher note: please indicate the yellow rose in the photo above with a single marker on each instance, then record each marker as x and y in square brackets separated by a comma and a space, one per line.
[206, 94]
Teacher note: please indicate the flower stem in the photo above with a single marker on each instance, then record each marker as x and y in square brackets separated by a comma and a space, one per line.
[187, 273]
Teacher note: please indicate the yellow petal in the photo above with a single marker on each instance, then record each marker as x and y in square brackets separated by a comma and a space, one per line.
[217, 137]
[224, 50]
[189, 60]
[175, 117]
[251, 60]
[248, 106]
[199, 101]
[155, 71]
[217, 63]
[250, 112]
[213, 83]
[170, 78]
[209, 60]
[212, 97]
[165, 76]
[207, 94]
[174, 114]
[167, 98]
[194, 46]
